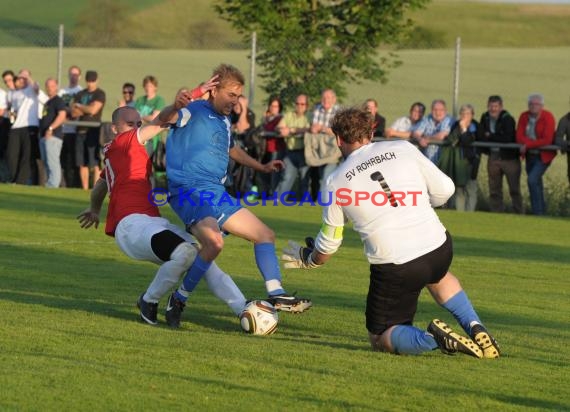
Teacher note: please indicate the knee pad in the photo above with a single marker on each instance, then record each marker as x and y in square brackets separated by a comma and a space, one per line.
[184, 254]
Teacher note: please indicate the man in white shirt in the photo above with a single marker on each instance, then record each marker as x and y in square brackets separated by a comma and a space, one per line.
[23, 137]
[69, 169]
[388, 190]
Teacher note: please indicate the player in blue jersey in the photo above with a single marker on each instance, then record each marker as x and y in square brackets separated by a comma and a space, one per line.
[197, 155]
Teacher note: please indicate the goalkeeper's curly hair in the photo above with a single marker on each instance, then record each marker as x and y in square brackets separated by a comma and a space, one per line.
[352, 125]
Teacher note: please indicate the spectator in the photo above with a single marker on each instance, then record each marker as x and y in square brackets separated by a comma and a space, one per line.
[24, 131]
[293, 127]
[562, 138]
[497, 125]
[52, 133]
[128, 98]
[460, 161]
[149, 106]
[5, 123]
[320, 145]
[274, 145]
[535, 128]
[371, 106]
[242, 119]
[88, 106]
[403, 127]
[8, 76]
[68, 161]
[433, 129]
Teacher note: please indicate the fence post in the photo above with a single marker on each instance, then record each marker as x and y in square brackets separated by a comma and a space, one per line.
[456, 76]
[252, 69]
[59, 54]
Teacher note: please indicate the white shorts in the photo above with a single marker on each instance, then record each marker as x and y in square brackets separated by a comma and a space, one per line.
[134, 233]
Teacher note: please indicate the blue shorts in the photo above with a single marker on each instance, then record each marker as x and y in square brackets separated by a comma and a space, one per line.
[193, 205]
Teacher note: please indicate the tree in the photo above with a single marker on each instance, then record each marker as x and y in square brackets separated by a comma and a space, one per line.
[309, 45]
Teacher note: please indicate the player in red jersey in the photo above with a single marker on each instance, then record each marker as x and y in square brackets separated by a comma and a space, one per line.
[134, 220]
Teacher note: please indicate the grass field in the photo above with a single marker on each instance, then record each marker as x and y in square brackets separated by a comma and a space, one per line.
[424, 75]
[70, 337]
[181, 24]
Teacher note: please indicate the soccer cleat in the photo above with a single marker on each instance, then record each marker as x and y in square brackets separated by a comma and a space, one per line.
[486, 342]
[289, 303]
[450, 342]
[174, 309]
[148, 311]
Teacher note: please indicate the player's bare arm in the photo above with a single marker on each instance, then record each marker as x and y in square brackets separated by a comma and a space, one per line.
[90, 216]
[240, 156]
[169, 115]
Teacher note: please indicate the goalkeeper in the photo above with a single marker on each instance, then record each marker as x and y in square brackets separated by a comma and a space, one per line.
[407, 246]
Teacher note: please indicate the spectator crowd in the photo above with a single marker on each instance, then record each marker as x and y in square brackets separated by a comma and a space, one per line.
[53, 136]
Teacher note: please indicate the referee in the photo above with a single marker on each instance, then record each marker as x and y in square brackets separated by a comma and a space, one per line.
[388, 190]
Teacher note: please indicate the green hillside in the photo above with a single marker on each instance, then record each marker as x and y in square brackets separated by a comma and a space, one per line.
[495, 25]
[194, 24]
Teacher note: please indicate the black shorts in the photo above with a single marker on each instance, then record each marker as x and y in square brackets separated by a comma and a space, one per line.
[87, 148]
[394, 289]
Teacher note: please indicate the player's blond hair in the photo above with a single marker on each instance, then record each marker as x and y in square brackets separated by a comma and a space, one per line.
[228, 74]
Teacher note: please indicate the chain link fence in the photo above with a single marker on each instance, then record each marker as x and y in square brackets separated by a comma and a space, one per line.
[454, 74]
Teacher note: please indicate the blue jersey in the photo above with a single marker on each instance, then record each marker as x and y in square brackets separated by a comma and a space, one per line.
[197, 150]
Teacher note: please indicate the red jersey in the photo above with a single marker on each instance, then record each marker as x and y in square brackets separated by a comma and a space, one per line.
[127, 172]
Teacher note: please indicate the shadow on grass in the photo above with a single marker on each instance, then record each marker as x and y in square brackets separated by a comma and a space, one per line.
[62, 279]
[466, 246]
[50, 205]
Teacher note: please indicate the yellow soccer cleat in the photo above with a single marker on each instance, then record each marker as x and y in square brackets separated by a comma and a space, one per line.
[450, 342]
[486, 342]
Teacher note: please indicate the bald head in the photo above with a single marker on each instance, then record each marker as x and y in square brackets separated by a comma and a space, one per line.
[126, 118]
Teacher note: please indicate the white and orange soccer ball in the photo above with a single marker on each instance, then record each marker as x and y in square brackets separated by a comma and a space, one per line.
[259, 318]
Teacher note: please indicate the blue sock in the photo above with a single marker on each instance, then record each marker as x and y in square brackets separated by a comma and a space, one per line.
[462, 310]
[268, 265]
[192, 278]
[409, 340]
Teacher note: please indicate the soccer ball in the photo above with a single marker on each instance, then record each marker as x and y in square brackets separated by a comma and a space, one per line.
[259, 318]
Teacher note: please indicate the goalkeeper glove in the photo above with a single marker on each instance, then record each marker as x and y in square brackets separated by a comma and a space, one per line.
[299, 257]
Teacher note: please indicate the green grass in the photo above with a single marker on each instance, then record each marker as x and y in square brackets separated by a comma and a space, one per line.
[496, 25]
[70, 337]
[39, 24]
[195, 24]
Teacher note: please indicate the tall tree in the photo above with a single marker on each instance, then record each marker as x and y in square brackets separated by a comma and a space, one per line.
[308, 45]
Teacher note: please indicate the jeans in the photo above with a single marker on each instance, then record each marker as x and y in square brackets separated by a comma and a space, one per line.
[324, 172]
[535, 168]
[511, 169]
[18, 155]
[466, 196]
[294, 165]
[50, 150]
[267, 182]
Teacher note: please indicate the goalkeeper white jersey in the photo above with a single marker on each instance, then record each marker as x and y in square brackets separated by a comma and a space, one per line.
[388, 190]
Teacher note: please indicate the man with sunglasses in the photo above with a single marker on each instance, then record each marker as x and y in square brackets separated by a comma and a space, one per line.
[128, 98]
[135, 222]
